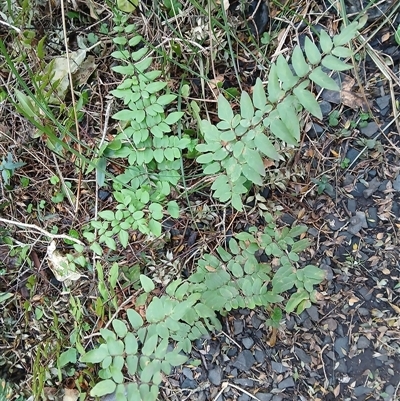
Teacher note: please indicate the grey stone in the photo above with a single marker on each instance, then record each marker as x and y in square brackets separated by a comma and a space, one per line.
[187, 373]
[341, 346]
[312, 311]
[264, 396]
[326, 108]
[383, 101]
[357, 222]
[244, 397]
[256, 321]
[189, 384]
[278, 367]
[215, 376]
[363, 343]
[247, 342]
[244, 361]
[396, 183]
[237, 326]
[383, 186]
[303, 356]
[358, 190]
[351, 205]
[259, 355]
[244, 382]
[373, 186]
[363, 311]
[334, 223]
[370, 130]
[286, 383]
[362, 390]
[277, 397]
[353, 154]
[365, 293]
[372, 219]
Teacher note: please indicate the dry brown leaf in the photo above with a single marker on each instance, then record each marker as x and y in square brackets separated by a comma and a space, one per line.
[70, 394]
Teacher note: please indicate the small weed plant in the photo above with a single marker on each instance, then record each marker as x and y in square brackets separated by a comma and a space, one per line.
[148, 345]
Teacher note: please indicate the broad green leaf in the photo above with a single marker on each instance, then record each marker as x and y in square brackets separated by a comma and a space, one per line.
[279, 129]
[308, 101]
[323, 80]
[397, 35]
[134, 318]
[154, 87]
[251, 175]
[285, 73]
[295, 300]
[155, 311]
[299, 62]
[343, 52]
[173, 209]
[205, 158]
[67, 357]
[147, 373]
[175, 359]
[274, 89]
[263, 144]
[115, 347]
[96, 355]
[325, 42]
[147, 283]
[236, 201]
[346, 35]
[132, 364]
[212, 168]
[150, 345]
[259, 96]
[254, 160]
[289, 117]
[173, 117]
[312, 52]
[155, 227]
[120, 328]
[225, 111]
[102, 388]
[162, 348]
[164, 100]
[246, 106]
[335, 64]
[124, 115]
[131, 344]
[314, 273]
[25, 102]
[123, 238]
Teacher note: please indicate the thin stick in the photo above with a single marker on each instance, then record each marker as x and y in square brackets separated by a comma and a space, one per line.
[41, 230]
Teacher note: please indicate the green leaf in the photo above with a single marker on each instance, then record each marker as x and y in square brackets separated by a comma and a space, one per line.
[173, 209]
[335, 64]
[299, 62]
[279, 129]
[254, 160]
[225, 112]
[348, 33]
[102, 388]
[131, 344]
[150, 345]
[289, 117]
[150, 369]
[67, 357]
[25, 102]
[246, 106]
[154, 87]
[397, 35]
[259, 97]
[263, 143]
[132, 364]
[115, 347]
[325, 42]
[312, 52]
[96, 355]
[120, 328]
[123, 238]
[251, 175]
[173, 117]
[314, 273]
[343, 52]
[308, 101]
[147, 283]
[323, 80]
[175, 359]
[285, 73]
[295, 300]
[274, 89]
[135, 319]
